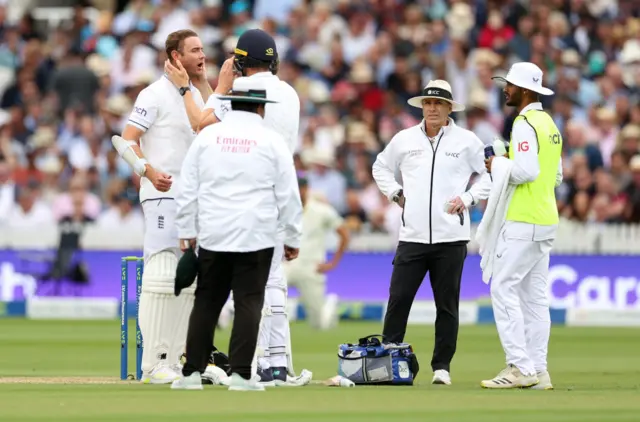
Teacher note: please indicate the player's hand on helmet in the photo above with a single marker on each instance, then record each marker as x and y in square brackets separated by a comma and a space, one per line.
[226, 77]
[161, 181]
[177, 74]
[290, 253]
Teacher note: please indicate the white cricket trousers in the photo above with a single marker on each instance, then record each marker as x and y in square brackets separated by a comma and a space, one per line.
[311, 286]
[519, 294]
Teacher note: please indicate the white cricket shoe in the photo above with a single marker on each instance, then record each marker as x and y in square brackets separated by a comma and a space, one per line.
[510, 377]
[240, 384]
[545, 381]
[192, 382]
[440, 376]
[160, 374]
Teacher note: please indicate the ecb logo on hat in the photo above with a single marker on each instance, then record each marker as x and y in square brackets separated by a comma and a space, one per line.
[269, 52]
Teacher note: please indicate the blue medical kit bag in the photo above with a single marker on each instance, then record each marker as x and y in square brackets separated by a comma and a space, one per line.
[376, 363]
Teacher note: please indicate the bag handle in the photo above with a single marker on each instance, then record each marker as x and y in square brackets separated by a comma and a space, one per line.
[364, 341]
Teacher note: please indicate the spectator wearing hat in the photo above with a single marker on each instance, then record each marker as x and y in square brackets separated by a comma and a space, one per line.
[325, 179]
[435, 161]
[477, 117]
[235, 254]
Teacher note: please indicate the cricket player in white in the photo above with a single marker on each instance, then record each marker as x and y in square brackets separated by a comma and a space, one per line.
[256, 57]
[308, 272]
[154, 142]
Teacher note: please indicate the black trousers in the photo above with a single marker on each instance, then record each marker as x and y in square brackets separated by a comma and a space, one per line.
[444, 263]
[244, 273]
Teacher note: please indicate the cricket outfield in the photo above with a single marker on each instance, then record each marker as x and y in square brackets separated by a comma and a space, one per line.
[68, 371]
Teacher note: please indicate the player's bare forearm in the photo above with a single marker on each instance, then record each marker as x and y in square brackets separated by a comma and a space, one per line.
[193, 111]
[343, 234]
[208, 118]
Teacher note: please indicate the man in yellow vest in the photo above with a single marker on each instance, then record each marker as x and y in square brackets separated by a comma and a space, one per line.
[521, 256]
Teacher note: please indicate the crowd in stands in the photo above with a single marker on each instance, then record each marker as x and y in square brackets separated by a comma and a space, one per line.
[65, 90]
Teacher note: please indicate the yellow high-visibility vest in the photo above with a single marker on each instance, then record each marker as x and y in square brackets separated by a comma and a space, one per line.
[535, 202]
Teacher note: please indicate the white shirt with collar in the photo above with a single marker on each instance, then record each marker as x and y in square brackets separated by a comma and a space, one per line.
[239, 184]
[283, 116]
[525, 163]
[159, 111]
[431, 172]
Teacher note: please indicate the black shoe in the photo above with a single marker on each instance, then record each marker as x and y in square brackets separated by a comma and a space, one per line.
[266, 377]
[279, 374]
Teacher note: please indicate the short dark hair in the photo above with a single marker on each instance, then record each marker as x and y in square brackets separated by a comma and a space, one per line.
[175, 41]
[250, 107]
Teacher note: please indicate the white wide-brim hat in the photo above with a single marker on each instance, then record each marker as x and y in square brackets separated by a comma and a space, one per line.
[436, 89]
[526, 75]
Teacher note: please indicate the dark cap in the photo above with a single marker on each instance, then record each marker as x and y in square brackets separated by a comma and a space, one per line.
[258, 45]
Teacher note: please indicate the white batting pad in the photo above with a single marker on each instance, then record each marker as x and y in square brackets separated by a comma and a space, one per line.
[156, 317]
[181, 308]
[264, 336]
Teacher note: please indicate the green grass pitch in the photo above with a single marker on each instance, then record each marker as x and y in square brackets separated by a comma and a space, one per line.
[596, 372]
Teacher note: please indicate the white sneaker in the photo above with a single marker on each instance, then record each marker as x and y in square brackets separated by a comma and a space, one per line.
[160, 374]
[240, 384]
[510, 377]
[192, 382]
[545, 381]
[441, 376]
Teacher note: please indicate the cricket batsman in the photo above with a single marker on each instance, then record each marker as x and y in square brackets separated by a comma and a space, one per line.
[515, 247]
[154, 143]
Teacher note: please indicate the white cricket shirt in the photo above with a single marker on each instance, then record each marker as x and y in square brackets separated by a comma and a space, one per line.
[160, 112]
[239, 183]
[282, 116]
[319, 219]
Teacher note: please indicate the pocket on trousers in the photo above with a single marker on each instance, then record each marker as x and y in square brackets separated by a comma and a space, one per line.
[502, 244]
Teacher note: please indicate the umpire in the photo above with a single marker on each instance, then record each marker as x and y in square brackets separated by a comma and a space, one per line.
[425, 169]
[238, 185]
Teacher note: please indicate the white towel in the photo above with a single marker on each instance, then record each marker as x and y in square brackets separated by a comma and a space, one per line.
[495, 214]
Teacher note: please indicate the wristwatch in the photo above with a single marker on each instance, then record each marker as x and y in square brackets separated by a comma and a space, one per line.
[396, 197]
[184, 90]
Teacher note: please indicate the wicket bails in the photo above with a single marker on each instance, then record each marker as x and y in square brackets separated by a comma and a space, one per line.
[124, 316]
